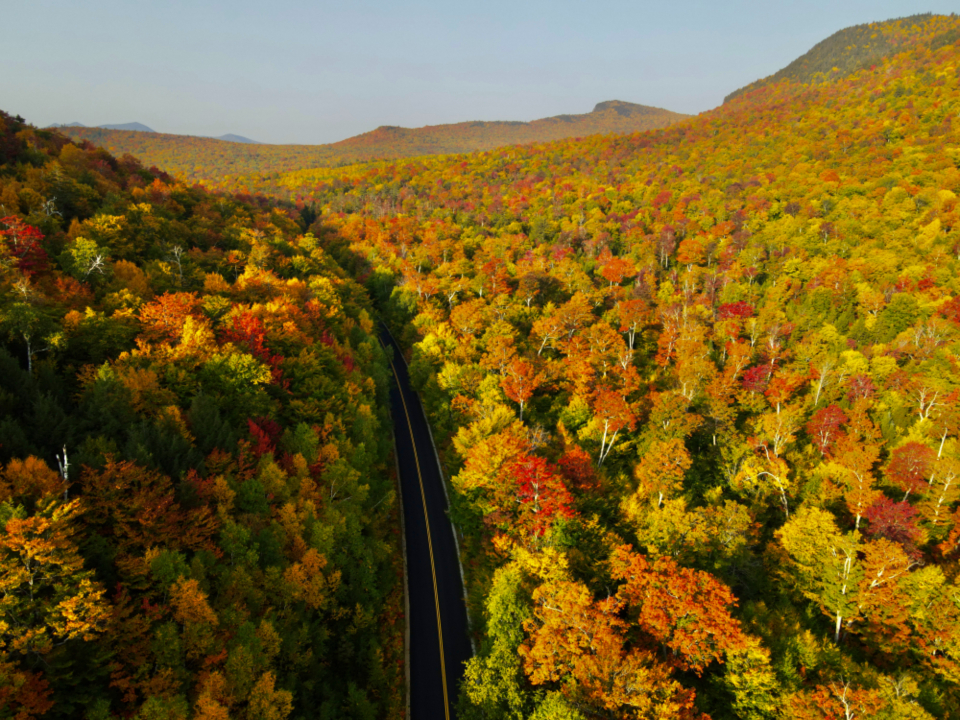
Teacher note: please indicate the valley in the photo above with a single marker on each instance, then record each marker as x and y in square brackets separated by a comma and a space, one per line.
[694, 388]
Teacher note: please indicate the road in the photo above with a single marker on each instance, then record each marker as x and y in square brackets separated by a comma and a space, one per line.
[439, 643]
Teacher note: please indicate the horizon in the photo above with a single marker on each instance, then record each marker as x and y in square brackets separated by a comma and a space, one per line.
[298, 75]
[226, 136]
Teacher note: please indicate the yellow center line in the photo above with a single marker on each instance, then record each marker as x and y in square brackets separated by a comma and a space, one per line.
[426, 520]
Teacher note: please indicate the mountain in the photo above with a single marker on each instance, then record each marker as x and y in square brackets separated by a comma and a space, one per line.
[230, 137]
[131, 126]
[140, 127]
[613, 116]
[856, 48]
[135, 126]
[210, 159]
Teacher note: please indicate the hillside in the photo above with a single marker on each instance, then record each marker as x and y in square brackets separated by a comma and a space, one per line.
[857, 48]
[697, 392]
[197, 514]
[209, 160]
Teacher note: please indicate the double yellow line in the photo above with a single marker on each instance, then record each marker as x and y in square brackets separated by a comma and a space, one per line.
[426, 520]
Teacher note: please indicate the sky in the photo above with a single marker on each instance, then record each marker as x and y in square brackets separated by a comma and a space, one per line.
[300, 71]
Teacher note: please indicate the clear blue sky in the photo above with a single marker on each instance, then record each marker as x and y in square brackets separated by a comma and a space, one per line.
[314, 72]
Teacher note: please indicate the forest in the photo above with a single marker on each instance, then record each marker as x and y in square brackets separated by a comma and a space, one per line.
[197, 513]
[696, 390]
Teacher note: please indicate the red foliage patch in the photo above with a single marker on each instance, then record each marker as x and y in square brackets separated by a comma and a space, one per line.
[23, 245]
[755, 379]
[738, 309]
[264, 433]
[892, 520]
[824, 427]
[910, 466]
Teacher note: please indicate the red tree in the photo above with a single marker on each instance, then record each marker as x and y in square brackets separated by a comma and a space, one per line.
[824, 427]
[542, 498]
[910, 467]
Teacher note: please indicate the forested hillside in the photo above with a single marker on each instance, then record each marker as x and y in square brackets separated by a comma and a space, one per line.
[216, 162]
[697, 390]
[858, 48]
[197, 513]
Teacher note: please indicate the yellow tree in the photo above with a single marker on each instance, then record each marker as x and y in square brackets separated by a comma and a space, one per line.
[47, 598]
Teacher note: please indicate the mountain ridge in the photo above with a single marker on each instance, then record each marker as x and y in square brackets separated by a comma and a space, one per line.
[852, 49]
[200, 158]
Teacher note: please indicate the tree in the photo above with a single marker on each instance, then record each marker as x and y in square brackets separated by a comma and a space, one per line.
[136, 508]
[911, 467]
[824, 563]
[22, 242]
[47, 598]
[575, 314]
[616, 270]
[579, 645]
[84, 258]
[892, 520]
[824, 427]
[944, 488]
[500, 353]
[659, 473]
[26, 321]
[548, 328]
[29, 479]
[613, 415]
[541, 495]
[493, 679]
[164, 317]
[762, 470]
[520, 381]
[196, 618]
[633, 314]
[856, 453]
[687, 611]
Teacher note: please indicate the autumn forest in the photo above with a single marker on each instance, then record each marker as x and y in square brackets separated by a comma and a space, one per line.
[695, 390]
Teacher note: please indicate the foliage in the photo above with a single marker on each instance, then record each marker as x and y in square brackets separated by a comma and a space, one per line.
[729, 345]
[196, 506]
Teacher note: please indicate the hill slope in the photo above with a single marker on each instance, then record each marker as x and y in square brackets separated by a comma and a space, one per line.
[858, 47]
[228, 506]
[205, 159]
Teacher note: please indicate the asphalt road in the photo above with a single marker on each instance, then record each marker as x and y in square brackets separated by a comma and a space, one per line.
[439, 643]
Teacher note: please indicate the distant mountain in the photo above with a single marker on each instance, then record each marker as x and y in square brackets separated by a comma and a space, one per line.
[138, 127]
[854, 48]
[207, 159]
[134, 126]
[612, 116]
[230, 137]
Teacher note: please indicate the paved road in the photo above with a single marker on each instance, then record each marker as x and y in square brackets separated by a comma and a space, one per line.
[439, 644]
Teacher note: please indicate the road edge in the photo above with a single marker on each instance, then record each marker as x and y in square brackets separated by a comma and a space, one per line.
[406, 582]
[453, 528]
